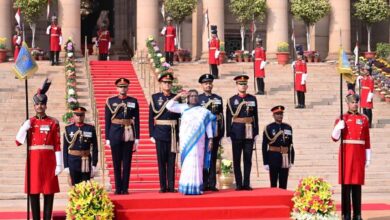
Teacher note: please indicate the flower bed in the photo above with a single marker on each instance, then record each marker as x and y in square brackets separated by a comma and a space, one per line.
[381, 75]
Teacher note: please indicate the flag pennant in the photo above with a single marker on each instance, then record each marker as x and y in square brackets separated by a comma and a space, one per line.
[163, 10]
[25, 65]
[253, 28]
[356, 53]
[48, 9]
[206, 18]
[17, 16]
[344, 67]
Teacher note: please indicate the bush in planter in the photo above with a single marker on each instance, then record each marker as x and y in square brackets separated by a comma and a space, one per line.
[3, 41]
[383, 50]
[282, 47]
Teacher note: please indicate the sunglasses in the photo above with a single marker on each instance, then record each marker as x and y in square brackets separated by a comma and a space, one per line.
[123, 86]
[167, 82]
[79, 115]
[242, 83]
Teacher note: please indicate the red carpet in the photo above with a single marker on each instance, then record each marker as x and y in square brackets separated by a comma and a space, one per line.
[144, 170]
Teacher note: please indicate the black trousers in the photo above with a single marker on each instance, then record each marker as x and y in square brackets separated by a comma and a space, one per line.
[356, 192]
[54, 57]
[103, 56]
[244, 146]
[277, 173]
[166, 165]
[301, 98]
[169, 57]
[214, 70]
[78, 177]
[47, 206]
[122, 153]
[260, 85]
[210, 175]
[368, 113]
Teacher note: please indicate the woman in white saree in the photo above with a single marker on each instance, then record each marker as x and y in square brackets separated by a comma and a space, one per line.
[196, 123]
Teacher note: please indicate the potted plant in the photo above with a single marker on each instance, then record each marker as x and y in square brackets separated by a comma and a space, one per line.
[89, 200]
[282, 53]
[371, 12]
[226, 177]
[317, 57]
[3, 51]
[222, 53]
[246, 56]
[310, 12]
[238, 54]
[313, 200]
[219, 159]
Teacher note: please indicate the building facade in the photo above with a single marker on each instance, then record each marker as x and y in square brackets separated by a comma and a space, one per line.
[132, 21]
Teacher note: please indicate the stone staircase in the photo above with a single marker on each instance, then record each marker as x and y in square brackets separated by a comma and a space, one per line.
[12, 115]
[316, 153]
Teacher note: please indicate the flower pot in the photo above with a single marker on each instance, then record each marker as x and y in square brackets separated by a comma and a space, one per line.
[218, 166]
[226, 181]
[369, 55]
[382, 96]
[239, 59]
[246, 59]
[387, 99]
[282, 57]
[222, 57]
[188, 59]
[181, 59]
[309, 55]
[3, 55]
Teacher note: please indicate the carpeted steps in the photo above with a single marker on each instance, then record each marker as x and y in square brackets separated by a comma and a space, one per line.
[144, 170]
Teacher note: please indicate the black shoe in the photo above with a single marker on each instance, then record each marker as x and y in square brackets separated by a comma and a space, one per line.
[357, 217]
[247, 188]
[238, 188]
[125, 192]
[52, 63]
[172, 190]
[303, 106]
[346, 217]
[214, 189]
[117, 192]
[162, 191]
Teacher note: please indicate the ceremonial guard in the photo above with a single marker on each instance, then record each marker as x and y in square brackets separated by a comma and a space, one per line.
[300, 70]
[44, 153]
[242, 126]
[354, 156]
[169, 31]
[366, 83]
[163, 130]
[122, 133]
[259, 64]
[214, 104]
[214, 51]
[80, 148]
[17, 42]
[278, 150]
[103, 42]
[55, 40]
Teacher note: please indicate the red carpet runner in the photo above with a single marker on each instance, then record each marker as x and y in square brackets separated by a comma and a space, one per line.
[144, 170]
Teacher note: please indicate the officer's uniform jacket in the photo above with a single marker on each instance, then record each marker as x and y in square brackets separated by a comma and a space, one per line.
[122, 119]
[214, 104]
[278, 150]
[242, 117]
[80, 147]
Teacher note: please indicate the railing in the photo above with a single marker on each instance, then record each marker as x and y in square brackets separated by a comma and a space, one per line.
[95, 112]
[148, 75]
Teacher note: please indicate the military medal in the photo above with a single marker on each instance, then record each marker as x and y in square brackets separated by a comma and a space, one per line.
[160, 101]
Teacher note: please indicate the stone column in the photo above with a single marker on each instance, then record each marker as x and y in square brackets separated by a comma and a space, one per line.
[339, 20]
[216, 9]
[70, 21]
[277, 25]
[6, 29]
[197, 25]
[147, 22]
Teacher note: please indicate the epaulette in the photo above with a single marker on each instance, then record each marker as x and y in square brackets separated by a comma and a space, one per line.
[54, 119]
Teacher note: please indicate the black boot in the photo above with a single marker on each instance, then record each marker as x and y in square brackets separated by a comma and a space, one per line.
[35, 206]
[357, 217]
[346, 217]
[48, 206]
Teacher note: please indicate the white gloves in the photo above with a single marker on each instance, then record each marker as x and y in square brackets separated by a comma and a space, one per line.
[303, 80]
[109, 45]
[108, 143]
[163, 31]
[229, 140]
[253, 53]
[216, 55]
[58, 162]
[22, 133]
[66, 170]
[175, 41]
[48, 30]
[368, 157]
[263, 64]
[93, 171]
[293, 65]
[153, 140]
[358, 80]
[266, 167]
[337, 130]
[60, 40]
[370, 97]
[136, 143]
[18, 40]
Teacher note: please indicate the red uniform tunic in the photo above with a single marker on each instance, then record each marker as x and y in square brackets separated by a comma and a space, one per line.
[356, 139]
[213, 47]
[300, 69]
[259, 57]
[17, 45]
[103, 41]
[55, 33]
[44, 141]
[367, 86]
[170, 35]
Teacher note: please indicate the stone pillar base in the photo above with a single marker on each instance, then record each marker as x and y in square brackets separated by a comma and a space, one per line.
[332, 56]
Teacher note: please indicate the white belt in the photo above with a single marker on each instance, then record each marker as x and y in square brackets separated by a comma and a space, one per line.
[354, 142]
[42, 147]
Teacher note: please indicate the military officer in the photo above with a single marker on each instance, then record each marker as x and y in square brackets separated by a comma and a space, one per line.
[103, 42]
[300, 77]
[122, 133]
[214, 50]
[213, 103]
[356, 148]
[163, 130]
[79, 140]
[367, 93]
[278, 150]
[55, 40]
[169, 31]
[17, 41]
[45, 154]
[259, 64]
[242, 127]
